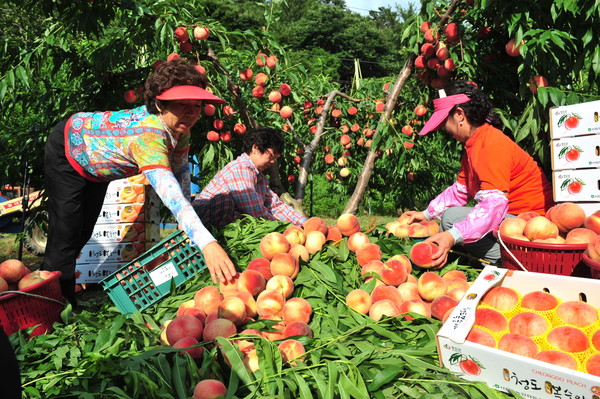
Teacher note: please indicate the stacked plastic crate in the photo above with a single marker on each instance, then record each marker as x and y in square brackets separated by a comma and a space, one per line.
[127, 226]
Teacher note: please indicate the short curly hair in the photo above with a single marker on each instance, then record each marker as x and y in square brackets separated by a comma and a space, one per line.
[480, 109]
[176, 72]
[264, 138]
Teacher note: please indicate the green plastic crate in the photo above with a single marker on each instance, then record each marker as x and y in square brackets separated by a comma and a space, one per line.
[147, 279]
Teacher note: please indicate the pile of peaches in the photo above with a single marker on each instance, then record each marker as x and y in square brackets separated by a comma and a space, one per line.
[14, 275]
[540, 326]
[402, 228]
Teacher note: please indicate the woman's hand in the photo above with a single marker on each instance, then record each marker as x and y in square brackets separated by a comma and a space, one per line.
[445, 242]
[413, 216]
[220, 266]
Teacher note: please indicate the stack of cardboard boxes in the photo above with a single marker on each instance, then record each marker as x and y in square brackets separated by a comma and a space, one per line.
[575, 133]
[127, 226]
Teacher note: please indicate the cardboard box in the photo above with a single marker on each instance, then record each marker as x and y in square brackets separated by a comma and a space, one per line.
[129, 213]
[575, 120]
[576, 152]
[94, 273]
[576, 185]
[503, 370]
[125, 232]
[123, 191]
[107, 252]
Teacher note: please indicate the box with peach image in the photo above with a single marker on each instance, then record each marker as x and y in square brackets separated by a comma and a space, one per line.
[576, 185]
[94, 273]
[532, 333]
[575, 120]
[107, 252]
[125, 232]
[576, 152]
[123, 191]
[129, 213]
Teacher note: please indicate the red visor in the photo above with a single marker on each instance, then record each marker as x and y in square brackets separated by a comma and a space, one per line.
[442, 107]
[189, 92]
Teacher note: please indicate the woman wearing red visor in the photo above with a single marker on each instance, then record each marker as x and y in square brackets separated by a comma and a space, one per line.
[503, 179]
[90, 149]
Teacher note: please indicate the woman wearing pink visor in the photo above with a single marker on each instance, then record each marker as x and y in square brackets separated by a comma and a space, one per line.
[503, 179]
[90, 149]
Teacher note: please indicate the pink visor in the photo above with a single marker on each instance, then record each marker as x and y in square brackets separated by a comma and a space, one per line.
[189, 92]
[442, 107]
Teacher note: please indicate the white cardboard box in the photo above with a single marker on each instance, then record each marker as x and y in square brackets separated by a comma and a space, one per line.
[123, 191]
[94, 272]
[575, 120]
[125, 232]
[129, 213]
[576, 152]
[503, 370]
[107, 252]
[576, 185]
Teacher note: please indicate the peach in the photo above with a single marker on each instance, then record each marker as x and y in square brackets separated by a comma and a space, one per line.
[596, 340]
[3, 285]
[348, 224]
[518, 344]
[281, 283]
[393, 272]
[481, 337]
[251, 361]
[367, 253]
[418, 230]
[299, 251]
[490, 319]
[411, 278]
[503, 299]
[446, 315]
[334, 234]
[359, 300]
[577, 313]
[163, 332]
[249, 303]
[540, 228]
[592, 222]
[454, 274]
[415, 306]
[12, 270]
[432, 226]
[421, 254]
[211, 316]
[593, 249]
[431, 286]
[383, 307]
[457, 283]
[296, 309]
[511, 227]
[209, 389]
[457, 293]
[392, 226]
[580, 235]
[404, 219]
[401, 230]
[441, 304]
[284, 264]
[386, 292]
[528, 215]
[555, 240]
[233, 309]
[208, 298]
[188, 342]
[295, 235]
[297, 328]
[261, 265]
[269, 302]
[275, 331]
[315, 224]
[194, 311]
[357, 240]
[409, 291]
[373, 266]
[315, 240]
[230, 285]
[183, 326]
[291, 351]
[558, 358]
[272, 244]
[568, 339]
[539, 300]
[592, 365]
[528, 324]
[218, 328]
[252, 282]
[187, 304]
[405, 261]
[568, 216]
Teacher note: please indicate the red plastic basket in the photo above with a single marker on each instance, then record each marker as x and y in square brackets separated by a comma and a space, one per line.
[594, 265]
[37, 305]
[538, 257]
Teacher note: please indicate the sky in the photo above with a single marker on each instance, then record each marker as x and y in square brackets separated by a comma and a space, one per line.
[364, 6]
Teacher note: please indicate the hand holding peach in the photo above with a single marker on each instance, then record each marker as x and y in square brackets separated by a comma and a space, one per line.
[412, 217]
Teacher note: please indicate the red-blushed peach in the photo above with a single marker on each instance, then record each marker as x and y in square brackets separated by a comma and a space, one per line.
[540, 228]
[580, 235]
[528, 215]
[233, 309]
[482, 337]
[218, 328]
[252, 282]
[577, 313]
[269, 302]
[431, 286]
[231, 285]
[209, 389]
[511, 227]
[447, 314]
[568, 339]
[529, 324]
[297, 328]
[454, 274]
[275, 332]
[400, 230]
[184, 326]
[457, 293]
[359, 300]
[539, 300]
[421, 252]
[228, 293]
[12, 270]
[592, 365]
[333, 234]
[295, 235]
[196, 312]
[367, 253]
[393, 272]
[284, 264]
[187, 304]
[291, 351]
[415, 306]
[593, 249]
[315, 240]
[249, 303]
[357, 240]
[208, 298]
[211, 316]
[315, 224]
[403, 219]
[251, 361]
[261, 265]
[296, 309]
[281, 283]
[503, 299]
[518, 344]
[418, 230]
[567, 216]
[188, 342]
[409, 291]
[299, 252]
[405, 261]
[348, 224]
[592, 222]
[558, 358]
[411, 278]
[432, 226]
[383, 307]
[596, 340]
[491, 319]
[272, 244]
[457, 283]
[440, 305]
[374, 268]
[386, 292]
